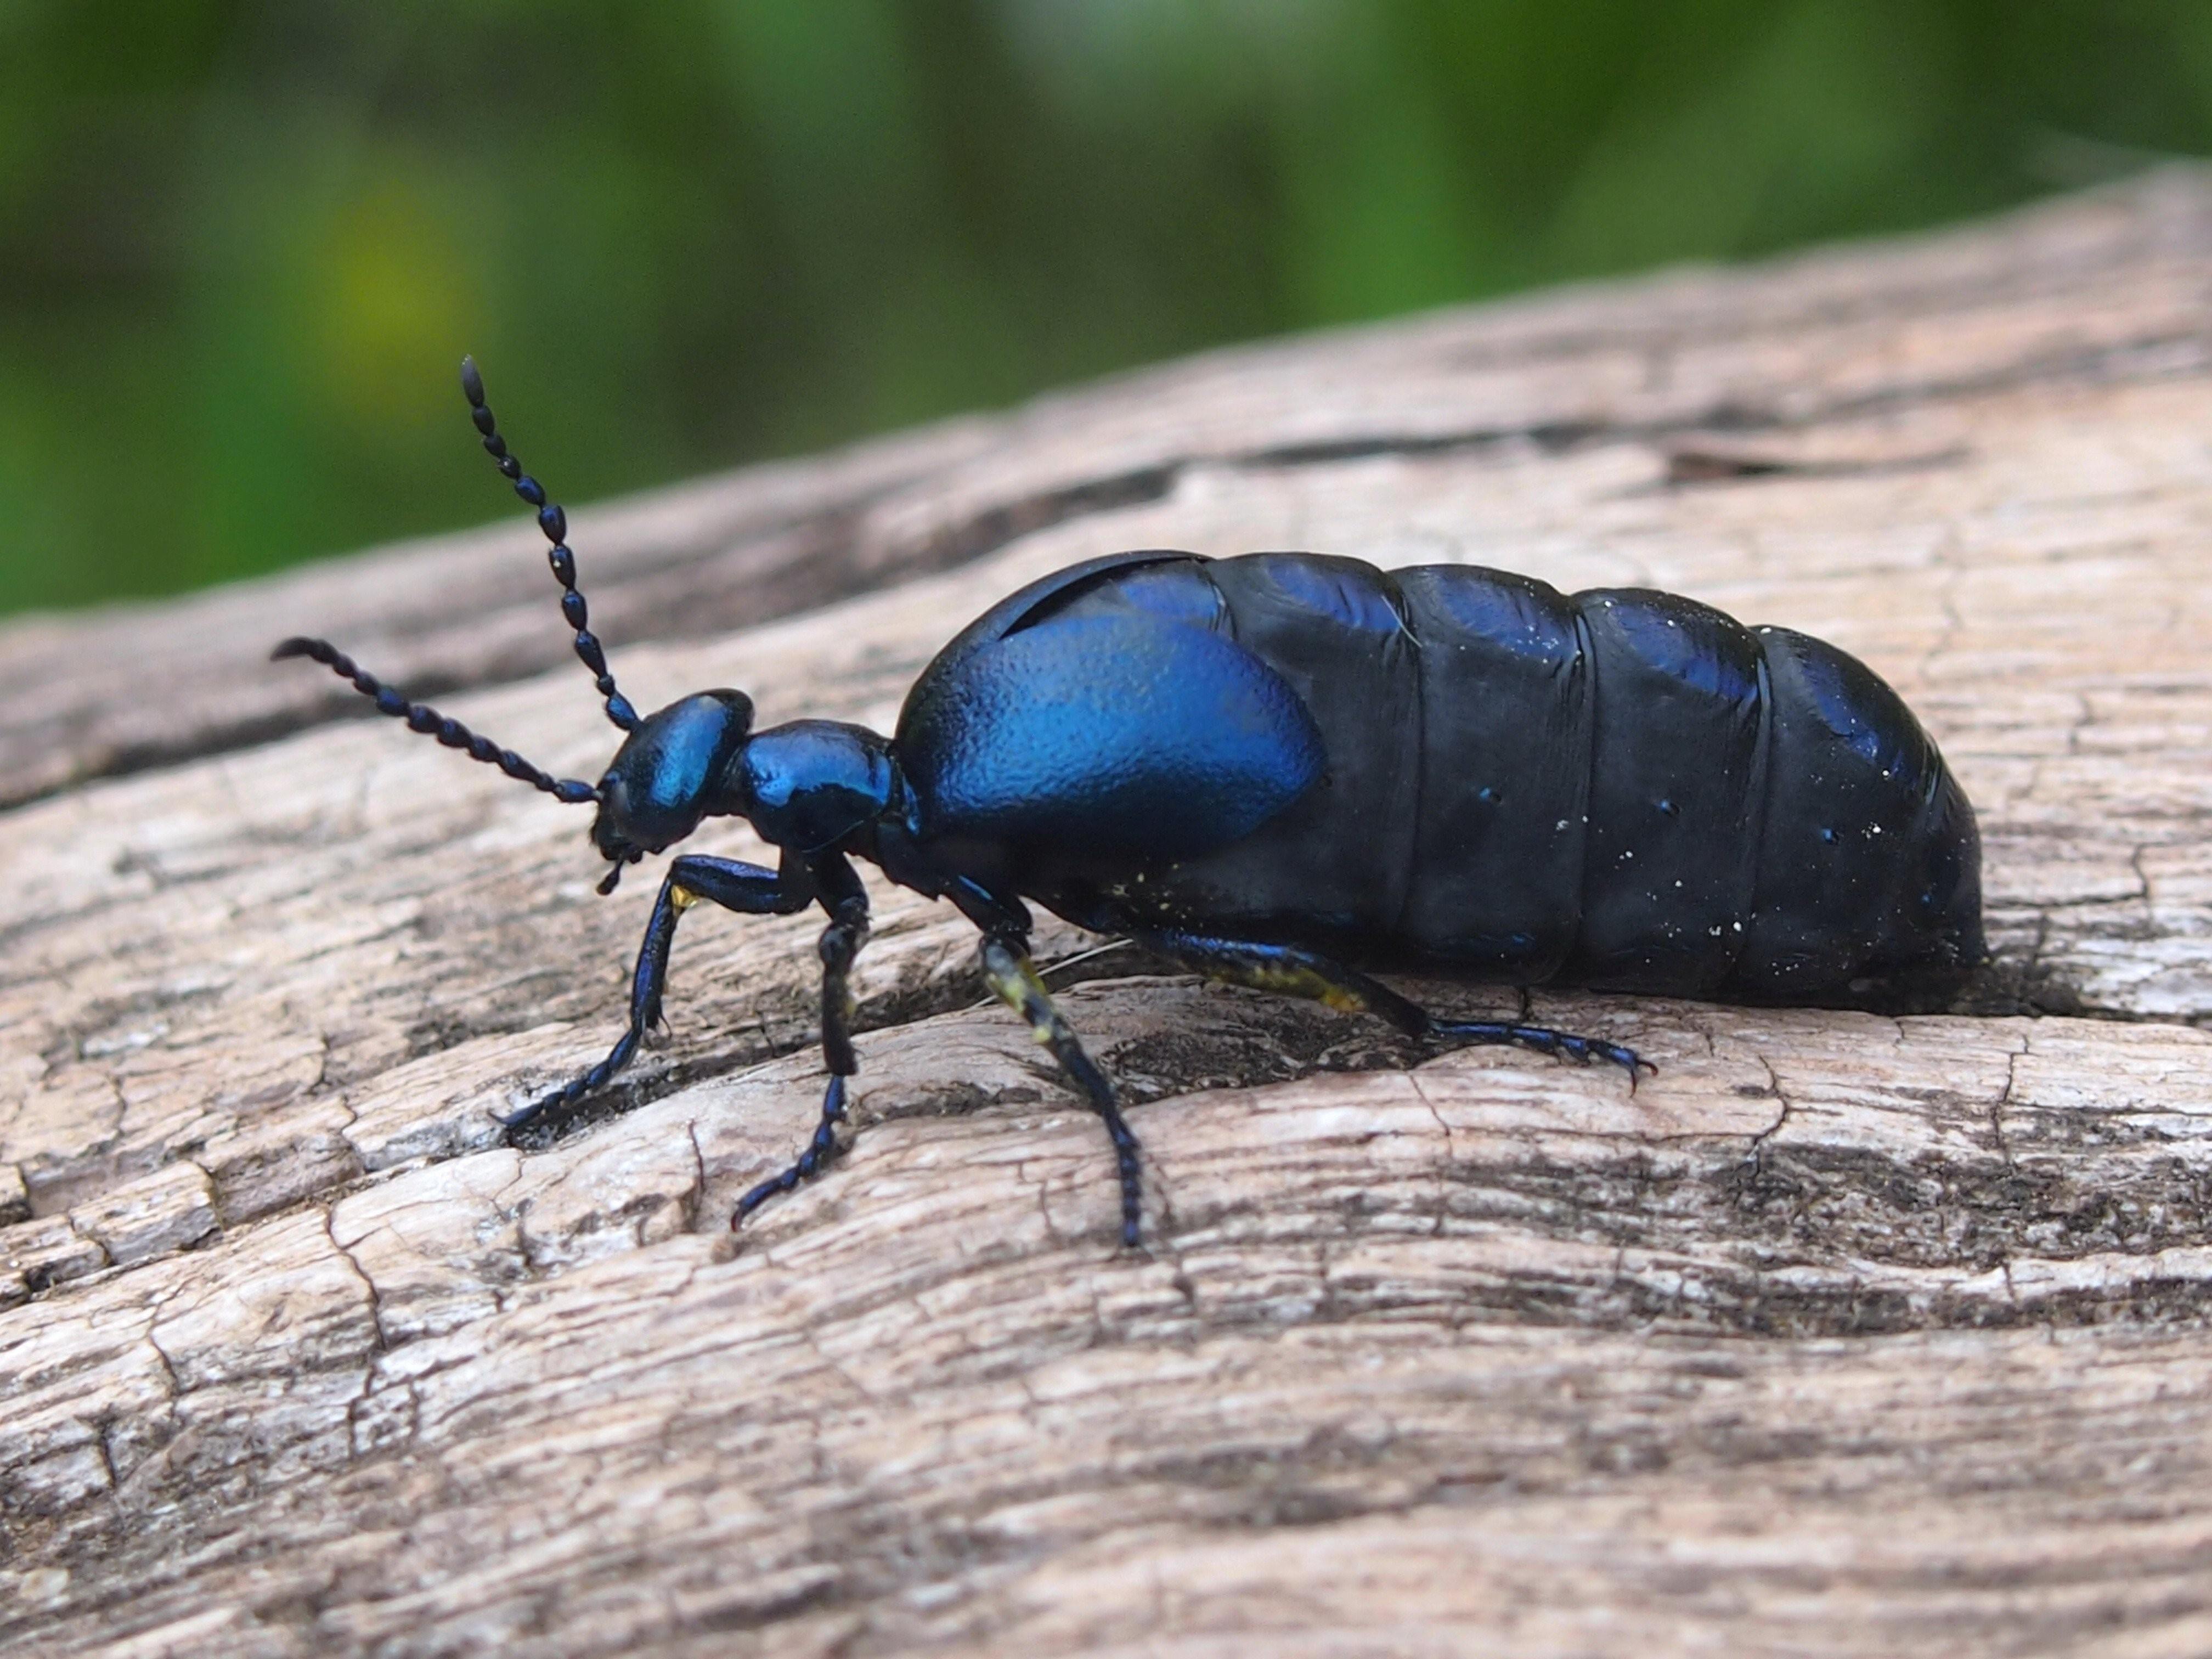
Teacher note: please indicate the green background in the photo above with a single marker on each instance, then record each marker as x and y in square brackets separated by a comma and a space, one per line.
[242, 246]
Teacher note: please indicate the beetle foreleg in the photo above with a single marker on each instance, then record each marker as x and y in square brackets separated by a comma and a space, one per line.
[745, 888]
[1014, 978]
[840, 942]
[1289, 971]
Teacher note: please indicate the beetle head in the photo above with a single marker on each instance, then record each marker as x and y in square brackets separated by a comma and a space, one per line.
[671, 771]
[672, 768]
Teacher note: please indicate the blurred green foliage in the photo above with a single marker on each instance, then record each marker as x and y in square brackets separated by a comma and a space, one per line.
[243, 245]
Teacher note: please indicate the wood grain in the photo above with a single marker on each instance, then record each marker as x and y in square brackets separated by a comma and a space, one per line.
[1842, 1336]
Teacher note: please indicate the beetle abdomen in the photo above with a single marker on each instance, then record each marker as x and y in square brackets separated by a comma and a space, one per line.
[1506, 722]
[1869, 855]
[1618, 788]
[1679, 761]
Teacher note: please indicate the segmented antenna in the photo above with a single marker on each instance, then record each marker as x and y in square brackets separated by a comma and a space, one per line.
[421, 717]
[555, 523]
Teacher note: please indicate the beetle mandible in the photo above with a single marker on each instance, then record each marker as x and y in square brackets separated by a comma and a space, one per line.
[1282, 768]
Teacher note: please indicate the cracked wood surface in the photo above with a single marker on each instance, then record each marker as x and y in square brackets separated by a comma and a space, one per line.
[1842, 1336]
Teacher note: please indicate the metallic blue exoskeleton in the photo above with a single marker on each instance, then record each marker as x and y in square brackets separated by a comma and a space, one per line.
[1283, 768]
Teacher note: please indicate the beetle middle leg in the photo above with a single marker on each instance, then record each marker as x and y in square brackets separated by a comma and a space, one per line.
[745, 888]
[1014, 978]
[848, 903]
[1289, 970]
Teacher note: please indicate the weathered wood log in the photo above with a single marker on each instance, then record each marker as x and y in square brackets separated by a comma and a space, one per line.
[1842, 1336]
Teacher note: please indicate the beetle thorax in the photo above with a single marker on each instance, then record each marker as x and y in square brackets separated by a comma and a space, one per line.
[813, 784]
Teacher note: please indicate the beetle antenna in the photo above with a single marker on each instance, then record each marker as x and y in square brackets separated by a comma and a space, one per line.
[421, 717]
[555, 523]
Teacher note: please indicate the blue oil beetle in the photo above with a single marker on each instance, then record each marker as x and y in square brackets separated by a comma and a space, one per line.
[1283, 768]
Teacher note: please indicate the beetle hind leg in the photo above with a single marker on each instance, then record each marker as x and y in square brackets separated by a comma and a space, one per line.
[1013, 978]
[1290, 970]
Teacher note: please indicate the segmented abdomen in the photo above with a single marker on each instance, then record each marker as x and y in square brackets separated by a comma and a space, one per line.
[1617, 788]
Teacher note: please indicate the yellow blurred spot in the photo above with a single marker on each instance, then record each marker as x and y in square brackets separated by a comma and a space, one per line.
[386, 284]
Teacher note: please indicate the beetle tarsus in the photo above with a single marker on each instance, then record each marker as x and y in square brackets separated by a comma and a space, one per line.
[569, 1093]
[819, 1151]
[1544, 1040]
[746, 888]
